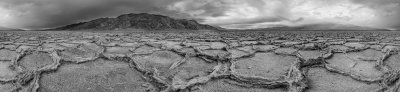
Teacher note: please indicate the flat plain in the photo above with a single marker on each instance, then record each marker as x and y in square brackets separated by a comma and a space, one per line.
[249, 61]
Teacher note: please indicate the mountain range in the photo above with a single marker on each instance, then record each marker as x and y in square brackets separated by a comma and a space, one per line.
[160, 22]
[139, 21]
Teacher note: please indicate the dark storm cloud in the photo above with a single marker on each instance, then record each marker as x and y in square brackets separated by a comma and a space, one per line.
[225, 12]
[50, 13]
[242, 13]
[388, 9]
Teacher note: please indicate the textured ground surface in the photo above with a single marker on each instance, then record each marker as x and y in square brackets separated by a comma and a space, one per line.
[200, 62]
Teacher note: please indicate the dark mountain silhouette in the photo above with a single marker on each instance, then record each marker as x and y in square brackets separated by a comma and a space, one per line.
[139, 21]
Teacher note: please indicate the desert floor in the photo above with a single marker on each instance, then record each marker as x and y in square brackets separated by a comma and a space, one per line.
[289, 61]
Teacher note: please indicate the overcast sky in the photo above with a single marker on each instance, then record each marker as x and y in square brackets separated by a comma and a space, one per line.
[37, 14]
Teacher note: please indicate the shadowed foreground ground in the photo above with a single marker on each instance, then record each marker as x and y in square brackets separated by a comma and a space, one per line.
[200, 62]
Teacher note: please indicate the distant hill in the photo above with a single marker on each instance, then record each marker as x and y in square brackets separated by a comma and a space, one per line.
[332, 26]
[139, 21]
[320, 27]
[9, 29]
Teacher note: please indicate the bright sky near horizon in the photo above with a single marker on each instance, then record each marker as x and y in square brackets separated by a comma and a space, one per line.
[234, 14]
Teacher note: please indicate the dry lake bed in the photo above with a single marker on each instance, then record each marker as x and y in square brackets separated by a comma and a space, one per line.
[286, 61]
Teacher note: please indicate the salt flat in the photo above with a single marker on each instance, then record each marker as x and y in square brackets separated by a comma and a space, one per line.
[179, 61]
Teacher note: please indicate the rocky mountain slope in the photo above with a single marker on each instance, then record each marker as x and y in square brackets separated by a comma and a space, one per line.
[139, 21]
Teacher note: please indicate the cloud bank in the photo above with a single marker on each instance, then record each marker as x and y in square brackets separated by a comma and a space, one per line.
[37, 14]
